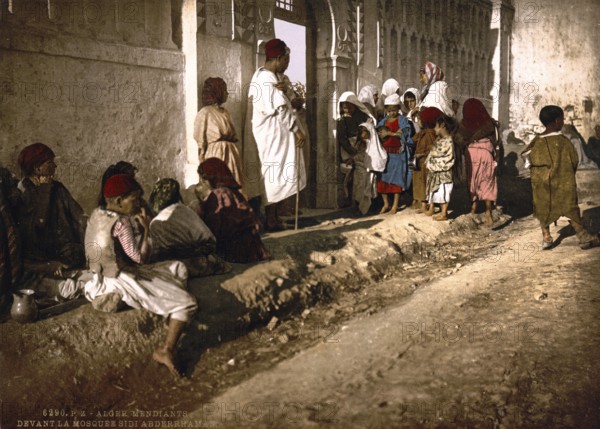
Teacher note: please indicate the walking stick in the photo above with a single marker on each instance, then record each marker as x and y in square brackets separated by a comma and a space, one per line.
[297, 187]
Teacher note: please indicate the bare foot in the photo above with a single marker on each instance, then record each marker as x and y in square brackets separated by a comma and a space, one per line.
[384, 209]
[488, 219]
[439, 216]
[166, 358]
[429, 212]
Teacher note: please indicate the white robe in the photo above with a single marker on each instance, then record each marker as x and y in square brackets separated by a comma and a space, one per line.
[584, 162]
[437, 97]
[273, 122]
[158, 288]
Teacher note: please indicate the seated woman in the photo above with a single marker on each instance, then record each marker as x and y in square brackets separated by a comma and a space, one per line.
[51, 223]
[230, 217]
[11, 263]
[578, 142]
[177, 232]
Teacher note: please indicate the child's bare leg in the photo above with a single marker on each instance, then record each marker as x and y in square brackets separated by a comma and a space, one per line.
[576, 226]
[423, 208]
[443, 215]
[394, 208]
[386, 203]
[165, 354]
[431, 209]
[547, 238]
[474, 207]
[488, 213]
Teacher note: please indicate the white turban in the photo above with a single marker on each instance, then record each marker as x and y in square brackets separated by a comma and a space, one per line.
[392, 100]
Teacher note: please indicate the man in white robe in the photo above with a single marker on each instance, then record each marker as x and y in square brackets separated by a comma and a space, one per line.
[276, 133]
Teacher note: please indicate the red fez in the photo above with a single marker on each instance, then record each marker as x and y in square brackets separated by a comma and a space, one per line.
[276, 48]
[119, 185]
[474, 115]
[429, 116]
[33, 156]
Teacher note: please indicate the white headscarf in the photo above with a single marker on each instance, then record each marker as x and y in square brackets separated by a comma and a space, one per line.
[389, 87]
[413, 91]
[376, 158]
[367, 94]
[392, 100]
[350, 97]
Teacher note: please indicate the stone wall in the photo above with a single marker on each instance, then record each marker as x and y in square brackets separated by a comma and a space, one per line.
[98, 82]
[459, 36]
[555, 58]
[103, 80]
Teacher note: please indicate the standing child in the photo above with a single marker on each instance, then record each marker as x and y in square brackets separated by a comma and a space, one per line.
[553, 166]
[481, 156]
[118, 260]
[371, 158]
[439, 164]
[424, 141]
[398, 144]
[410, 99]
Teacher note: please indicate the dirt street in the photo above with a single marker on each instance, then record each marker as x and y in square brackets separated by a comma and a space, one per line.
[510, 340]
[375, 322]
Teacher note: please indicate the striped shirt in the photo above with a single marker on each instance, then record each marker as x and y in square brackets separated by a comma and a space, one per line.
[130, 242]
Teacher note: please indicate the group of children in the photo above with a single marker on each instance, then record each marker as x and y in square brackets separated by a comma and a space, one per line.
[421, 149]
[383, 158]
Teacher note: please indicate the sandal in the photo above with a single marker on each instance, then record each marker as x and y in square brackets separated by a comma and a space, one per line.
[547, 243]
[587, 240]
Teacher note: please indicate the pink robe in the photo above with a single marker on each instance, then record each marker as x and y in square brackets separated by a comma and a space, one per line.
[481, 170]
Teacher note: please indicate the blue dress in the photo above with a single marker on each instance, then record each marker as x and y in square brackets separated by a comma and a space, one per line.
[397, 177]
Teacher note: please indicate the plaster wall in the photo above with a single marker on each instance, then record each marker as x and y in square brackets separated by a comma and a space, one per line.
[231, 67]
[555, 58]
[95, 92]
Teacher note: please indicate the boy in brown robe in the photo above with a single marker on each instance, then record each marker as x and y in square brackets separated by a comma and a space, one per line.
[553, 166]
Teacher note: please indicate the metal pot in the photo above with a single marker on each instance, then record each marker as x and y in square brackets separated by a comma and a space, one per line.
[24, 308]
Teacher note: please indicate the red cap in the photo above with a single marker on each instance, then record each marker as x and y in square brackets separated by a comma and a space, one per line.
[33, 156]
[429, 116]
[119, 185]
[276, 48]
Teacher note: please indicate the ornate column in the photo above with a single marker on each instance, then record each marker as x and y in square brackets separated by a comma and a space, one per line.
[336, 65]
[502, 16]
